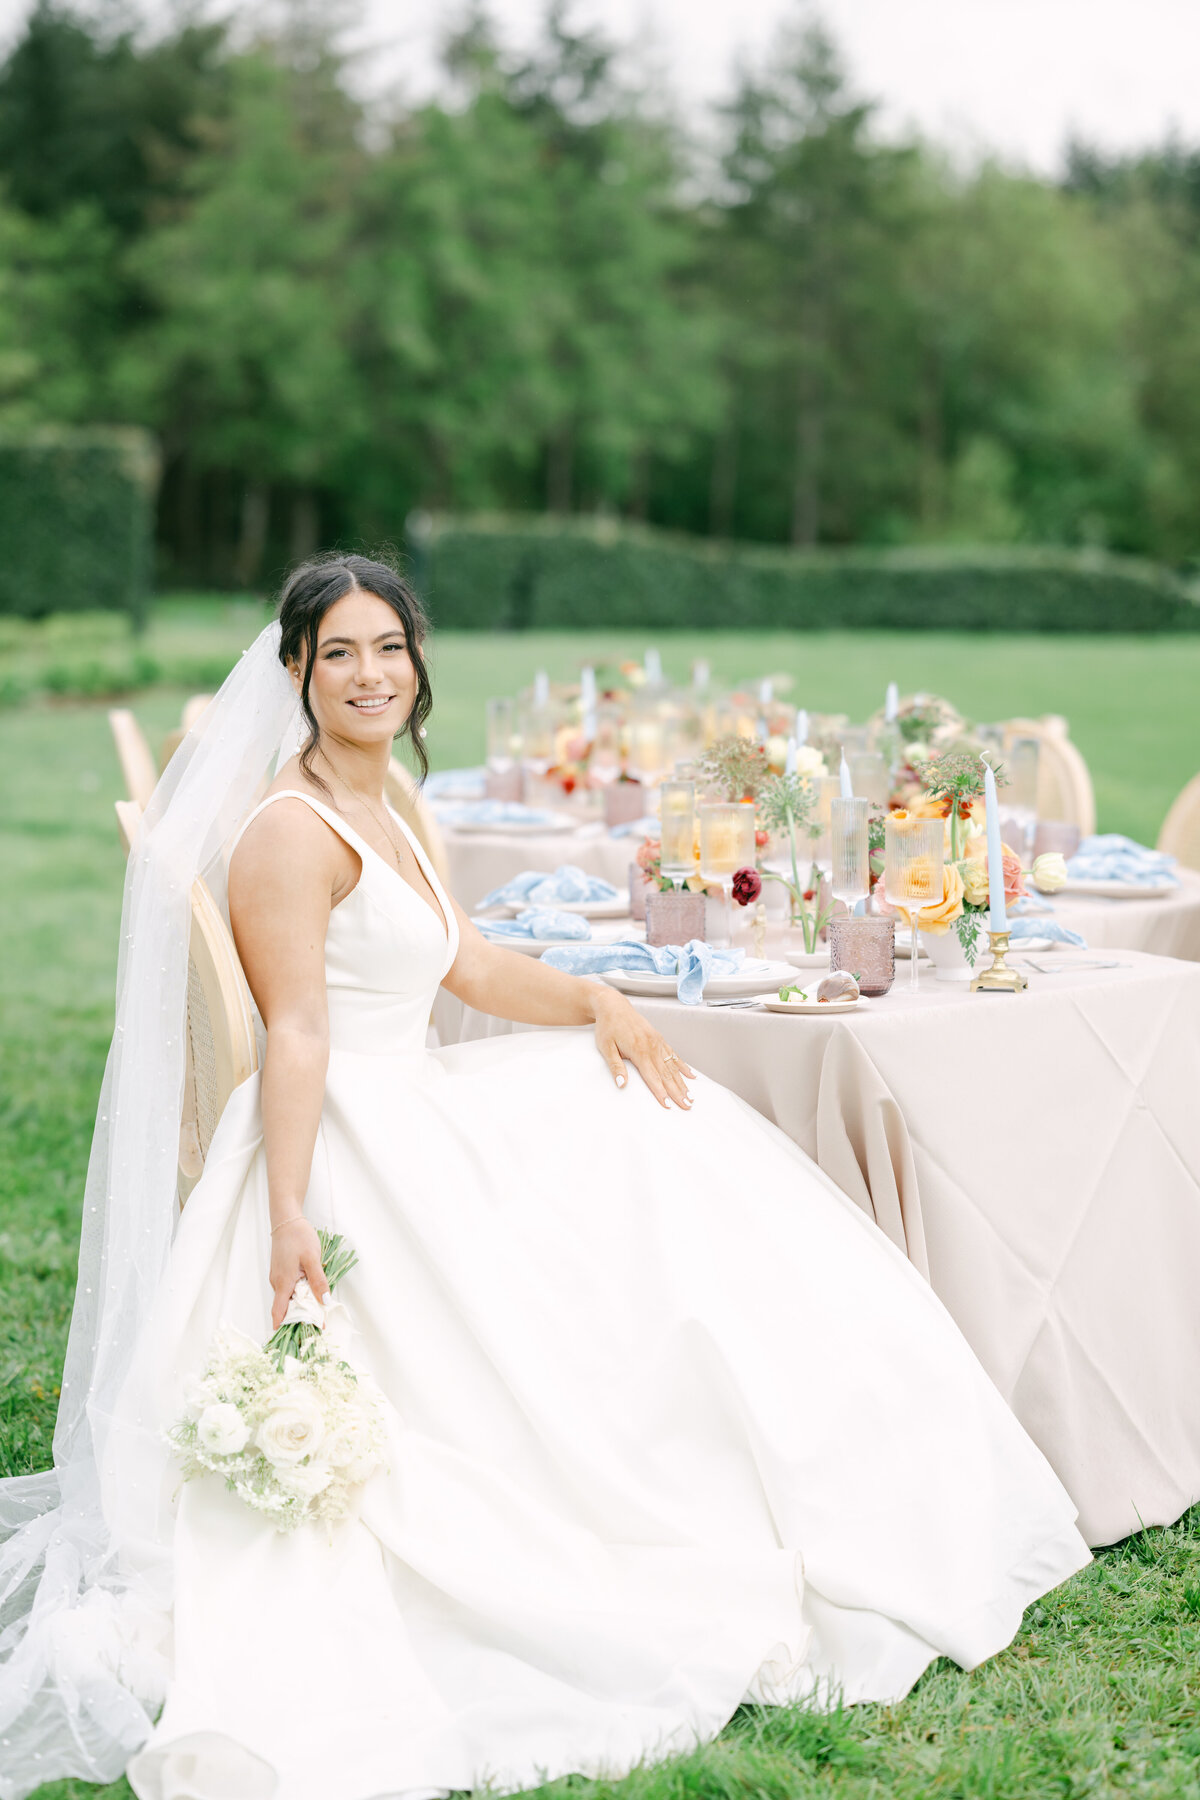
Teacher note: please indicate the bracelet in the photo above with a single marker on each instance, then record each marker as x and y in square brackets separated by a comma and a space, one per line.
[292, 1221]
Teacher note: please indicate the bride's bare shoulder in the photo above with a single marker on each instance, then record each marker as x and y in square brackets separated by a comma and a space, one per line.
[288, 842]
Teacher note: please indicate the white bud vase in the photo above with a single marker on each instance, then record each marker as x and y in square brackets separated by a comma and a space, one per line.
[945, 951]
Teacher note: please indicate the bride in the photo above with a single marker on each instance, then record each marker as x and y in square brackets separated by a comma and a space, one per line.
[671, 1425]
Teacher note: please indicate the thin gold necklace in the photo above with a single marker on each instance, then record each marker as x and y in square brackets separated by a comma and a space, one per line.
[397, 852]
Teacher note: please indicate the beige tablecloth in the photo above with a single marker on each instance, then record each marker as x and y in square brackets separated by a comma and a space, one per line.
[1038, 1157]
[483, 860]
[1167, 927]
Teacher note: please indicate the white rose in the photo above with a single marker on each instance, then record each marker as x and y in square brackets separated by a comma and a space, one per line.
[349, 1451]
[305, 1480]
[809, 761]
[1049, 871]
[221, 1429]
[292, 1430]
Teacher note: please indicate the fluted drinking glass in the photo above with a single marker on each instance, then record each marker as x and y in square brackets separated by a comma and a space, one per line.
[914, 858]
[851, 877]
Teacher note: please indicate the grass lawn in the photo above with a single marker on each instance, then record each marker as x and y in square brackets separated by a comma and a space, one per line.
[1100, 1694]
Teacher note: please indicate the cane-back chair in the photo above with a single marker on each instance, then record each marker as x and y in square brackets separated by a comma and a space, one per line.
[405, 797]
[192, 709]
[1180, 834]
[1065, 789]
[133, 753]
[219, 1022]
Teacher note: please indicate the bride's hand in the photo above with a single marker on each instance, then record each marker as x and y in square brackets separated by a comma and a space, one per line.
[295, 1251]
[622, 1035]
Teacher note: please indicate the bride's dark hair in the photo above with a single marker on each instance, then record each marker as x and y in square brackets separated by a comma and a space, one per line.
[309, 592]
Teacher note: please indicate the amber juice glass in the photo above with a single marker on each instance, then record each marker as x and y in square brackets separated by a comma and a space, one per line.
[914, 860]
[726, 845]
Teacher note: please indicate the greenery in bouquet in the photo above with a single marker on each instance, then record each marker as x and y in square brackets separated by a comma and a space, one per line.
[736, 767]
[297, 1336]
[787, 804]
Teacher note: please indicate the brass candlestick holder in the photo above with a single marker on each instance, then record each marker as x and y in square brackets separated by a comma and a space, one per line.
[998, 978]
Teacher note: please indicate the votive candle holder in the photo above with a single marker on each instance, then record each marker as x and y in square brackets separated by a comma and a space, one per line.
[864, 945]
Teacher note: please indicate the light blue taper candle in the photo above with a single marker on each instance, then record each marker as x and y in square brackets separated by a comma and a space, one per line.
[844, 777]
[997, 912]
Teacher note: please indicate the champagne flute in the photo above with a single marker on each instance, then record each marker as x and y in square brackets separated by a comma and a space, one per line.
[505, 779]
[914, 859]
[851, 879]
[726, 845]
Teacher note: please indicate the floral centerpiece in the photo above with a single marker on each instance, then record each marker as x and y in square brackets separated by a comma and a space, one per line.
[733, 768]
[951, 784]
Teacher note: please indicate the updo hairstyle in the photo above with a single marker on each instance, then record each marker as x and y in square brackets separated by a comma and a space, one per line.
[308, 594]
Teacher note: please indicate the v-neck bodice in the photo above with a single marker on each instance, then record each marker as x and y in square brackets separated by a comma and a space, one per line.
[386, 951]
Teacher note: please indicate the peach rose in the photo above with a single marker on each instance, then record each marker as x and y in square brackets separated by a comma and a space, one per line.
[975, 873]
[935, 919]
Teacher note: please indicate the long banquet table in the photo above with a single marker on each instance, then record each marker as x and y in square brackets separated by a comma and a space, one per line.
[1037, 1156]
[481, 861]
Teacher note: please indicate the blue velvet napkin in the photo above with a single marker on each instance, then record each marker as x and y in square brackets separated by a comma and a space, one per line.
[537, 922]
[693, 964]
[566, 885]
[1044, 928]
[1111, 857]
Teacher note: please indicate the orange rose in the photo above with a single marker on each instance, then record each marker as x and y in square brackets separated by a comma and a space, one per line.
[935, 919]
[926, 807]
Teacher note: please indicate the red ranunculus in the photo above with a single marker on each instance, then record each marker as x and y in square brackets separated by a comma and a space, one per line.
[747, 886]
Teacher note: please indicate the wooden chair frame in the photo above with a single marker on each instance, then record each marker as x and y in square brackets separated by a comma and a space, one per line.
[133, 754]
[1180, 834]
[1064, 785]
[222, 1050]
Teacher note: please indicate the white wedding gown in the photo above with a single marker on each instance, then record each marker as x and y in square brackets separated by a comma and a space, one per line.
[674, 1425]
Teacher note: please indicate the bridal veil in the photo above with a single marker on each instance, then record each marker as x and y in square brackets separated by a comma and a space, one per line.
[74, 1697]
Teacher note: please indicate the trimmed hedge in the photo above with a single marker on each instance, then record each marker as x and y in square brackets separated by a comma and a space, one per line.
[76, 520]
[547, 574]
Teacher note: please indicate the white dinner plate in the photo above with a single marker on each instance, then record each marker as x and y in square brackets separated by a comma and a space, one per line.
[1035, 943]
[756, 979]
[616, 908]
[808, 1003]
[551, 825]
[534, 946]
[1121, 890]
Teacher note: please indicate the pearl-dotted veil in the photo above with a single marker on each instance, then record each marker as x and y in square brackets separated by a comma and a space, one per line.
[76, 1692]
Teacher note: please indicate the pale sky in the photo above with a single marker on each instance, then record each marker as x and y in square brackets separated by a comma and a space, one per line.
[1014, 76]
[1009, 76]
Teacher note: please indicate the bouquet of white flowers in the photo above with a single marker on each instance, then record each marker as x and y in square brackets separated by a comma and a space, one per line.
[289, 1425]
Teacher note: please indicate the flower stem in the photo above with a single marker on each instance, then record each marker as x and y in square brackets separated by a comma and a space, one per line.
[810, 935]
